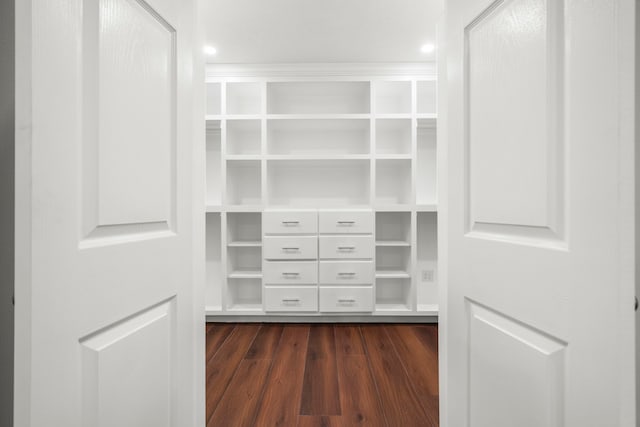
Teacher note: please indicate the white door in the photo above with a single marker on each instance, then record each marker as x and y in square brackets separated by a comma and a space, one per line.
[108, 330]
[539, 315]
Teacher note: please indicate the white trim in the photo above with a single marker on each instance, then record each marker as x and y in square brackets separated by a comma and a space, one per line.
[304, 71]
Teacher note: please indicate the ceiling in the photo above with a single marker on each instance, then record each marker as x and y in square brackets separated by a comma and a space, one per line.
[308, 31]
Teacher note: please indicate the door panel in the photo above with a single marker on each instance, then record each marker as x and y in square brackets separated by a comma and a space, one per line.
[513, 103]
[539, 311]
[105, 297]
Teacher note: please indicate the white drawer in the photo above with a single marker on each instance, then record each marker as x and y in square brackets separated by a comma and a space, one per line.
[345, 222]
[346, 247]
[275, 222]
[340, 299]
[346, 272]
[290, 272]
[284, 247]
[290, 298]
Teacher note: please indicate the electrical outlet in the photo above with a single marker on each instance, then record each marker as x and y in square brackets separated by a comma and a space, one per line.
[427, 275]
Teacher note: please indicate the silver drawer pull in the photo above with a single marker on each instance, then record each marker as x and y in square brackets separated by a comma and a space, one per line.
[346, 222]
[290, 300]
[346, 301]
[290, 249]
[346, 274]
[346, 248]
[289, 275]
[290, 223]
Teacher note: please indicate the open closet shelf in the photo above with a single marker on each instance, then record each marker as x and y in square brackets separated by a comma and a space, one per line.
[312, 148]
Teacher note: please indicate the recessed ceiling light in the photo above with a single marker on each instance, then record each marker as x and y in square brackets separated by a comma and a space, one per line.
[428, 48]
[210, 50]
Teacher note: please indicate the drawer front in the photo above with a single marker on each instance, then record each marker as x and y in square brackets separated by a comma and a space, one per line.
[290, 272]
[282, 247]
[290, 298]
[289, 222]
[346, 272]
[341, 299]
[346, 222]
[346, 247]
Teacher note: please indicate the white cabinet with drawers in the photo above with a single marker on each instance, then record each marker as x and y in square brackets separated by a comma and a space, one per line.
[347, 248]
[321, 191]
[290, 262]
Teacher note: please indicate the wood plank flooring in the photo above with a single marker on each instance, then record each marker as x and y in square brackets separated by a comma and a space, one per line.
[321, 375]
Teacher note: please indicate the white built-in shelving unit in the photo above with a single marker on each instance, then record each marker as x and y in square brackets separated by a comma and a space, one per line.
[318, 141]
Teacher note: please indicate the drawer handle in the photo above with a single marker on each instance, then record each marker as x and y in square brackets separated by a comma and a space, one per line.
[290, 275]
[346, 248]
[346, 274]
[346, 222]
[346, 301]
[290, 223]
[290, 249]
[290, 300]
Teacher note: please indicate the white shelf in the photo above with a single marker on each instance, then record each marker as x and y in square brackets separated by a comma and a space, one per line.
[391, 306]
[321, 157]
[427, 208]
[393, 97]
[241, 157]
[394, 156]
[213, 208]
[392, 243]
[392, 274]
[245, 274]
[245, 244]
[312, 116]
[246, 307]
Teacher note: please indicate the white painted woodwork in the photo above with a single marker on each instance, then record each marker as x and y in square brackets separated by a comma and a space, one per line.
[538, 319]
[290, 222]
[346, 152]
[341, 299]
[345, 222]
[287, 248]
[291, 298]
[346, 246]
[108, 315]
[290, 272]
[346, 272]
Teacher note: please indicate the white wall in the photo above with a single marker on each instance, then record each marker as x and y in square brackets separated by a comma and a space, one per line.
[7, 63]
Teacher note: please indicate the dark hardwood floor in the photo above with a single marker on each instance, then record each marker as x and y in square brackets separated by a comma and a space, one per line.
[322, 375]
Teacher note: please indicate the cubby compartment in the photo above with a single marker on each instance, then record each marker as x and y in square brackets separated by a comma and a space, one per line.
[213, 99]
[393, 295]
[243, 182]
[213, 165]
[426, 179]
[393, 97]
[244, 262]
[393, 229]
[243, 137]
[393, 182]
[426, 94]
[318, 183]
[393, 262]
[213, 262]
[244, 229]
[427, 261]
[318, 137]
[318, 98]
[244, 98]
[244, 294]
[393, 136]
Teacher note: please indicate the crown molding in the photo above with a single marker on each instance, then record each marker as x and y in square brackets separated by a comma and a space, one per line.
[422, 69]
